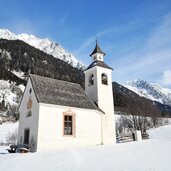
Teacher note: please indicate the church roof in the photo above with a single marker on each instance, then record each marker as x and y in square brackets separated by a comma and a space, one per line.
[58, 92]
[98, 63]
[97, 50]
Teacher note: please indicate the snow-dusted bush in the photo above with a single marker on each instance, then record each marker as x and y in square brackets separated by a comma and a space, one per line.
[11, 137]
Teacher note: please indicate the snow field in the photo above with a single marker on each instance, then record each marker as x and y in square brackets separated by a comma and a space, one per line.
[147, 155]
[7, 128]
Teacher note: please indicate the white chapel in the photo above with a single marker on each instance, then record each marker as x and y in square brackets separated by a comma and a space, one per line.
[56, 114]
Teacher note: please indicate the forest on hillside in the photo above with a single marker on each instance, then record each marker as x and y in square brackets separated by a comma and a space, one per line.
[16, 55]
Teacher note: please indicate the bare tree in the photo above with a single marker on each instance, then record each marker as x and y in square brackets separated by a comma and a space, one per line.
[135, 122]
[11, 138]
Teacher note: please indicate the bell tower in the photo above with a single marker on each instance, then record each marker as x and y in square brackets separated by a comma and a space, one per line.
[98, 86]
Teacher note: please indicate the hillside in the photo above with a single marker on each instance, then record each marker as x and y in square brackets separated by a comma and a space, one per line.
[18, 56]
[45, 45]
[150, 91]
[18, 59]
[128, 102]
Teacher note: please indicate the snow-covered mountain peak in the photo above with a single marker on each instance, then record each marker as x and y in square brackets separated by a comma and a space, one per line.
[6, 34]
[49, 47]
[138, 83]
[151, 91]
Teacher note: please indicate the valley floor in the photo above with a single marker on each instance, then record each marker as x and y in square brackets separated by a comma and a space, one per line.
[147, 155]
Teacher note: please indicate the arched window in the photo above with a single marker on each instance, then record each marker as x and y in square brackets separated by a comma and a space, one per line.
[104, 79]
[91, 80]
[29, 113]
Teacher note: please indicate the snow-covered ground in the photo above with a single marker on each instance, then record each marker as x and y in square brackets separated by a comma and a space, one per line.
[18, 74]
[147, 155]
[7, 128]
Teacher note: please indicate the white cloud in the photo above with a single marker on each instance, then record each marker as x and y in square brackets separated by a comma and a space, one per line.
[162, 34]
[86, 46]
[23, 26]
[147, 60]
[151, 59]
[63, 19]
[91, 40]
[166, 78]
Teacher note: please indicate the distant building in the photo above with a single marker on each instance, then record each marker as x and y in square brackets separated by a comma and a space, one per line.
[57, 114]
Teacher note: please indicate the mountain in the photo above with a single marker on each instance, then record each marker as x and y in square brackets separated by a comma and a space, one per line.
[18, 59]
[128, 102]
[151, 91]
[45, 45]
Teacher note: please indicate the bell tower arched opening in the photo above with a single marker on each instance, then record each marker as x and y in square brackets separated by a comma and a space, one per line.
[104, 79]
[91, 80]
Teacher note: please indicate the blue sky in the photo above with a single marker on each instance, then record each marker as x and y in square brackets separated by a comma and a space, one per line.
[135, 34]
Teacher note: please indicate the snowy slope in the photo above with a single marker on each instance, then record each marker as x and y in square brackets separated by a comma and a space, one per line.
[7, 128]
[151, 91]
[146, 155]
[10, 93]
[45, 45]
[6, 93]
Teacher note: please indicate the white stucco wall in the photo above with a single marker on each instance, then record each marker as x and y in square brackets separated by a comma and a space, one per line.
[97, 56]
[87, 128]
[103, 96]
[91, 90]
[28, 122]
[105, 102]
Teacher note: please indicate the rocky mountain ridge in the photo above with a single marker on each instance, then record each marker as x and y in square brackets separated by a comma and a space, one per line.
[150, 91]
[18, 59]
[45, 45]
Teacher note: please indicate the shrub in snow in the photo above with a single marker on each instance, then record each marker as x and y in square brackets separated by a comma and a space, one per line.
[11, 138]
